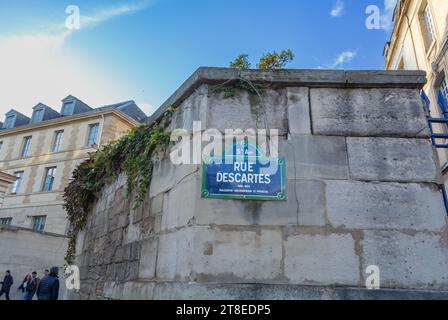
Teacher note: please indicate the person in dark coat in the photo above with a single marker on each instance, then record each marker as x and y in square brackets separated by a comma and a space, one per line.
[48, 288]
[6, 284]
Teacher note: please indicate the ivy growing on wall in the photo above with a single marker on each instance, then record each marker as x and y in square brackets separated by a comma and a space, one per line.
[132, 154]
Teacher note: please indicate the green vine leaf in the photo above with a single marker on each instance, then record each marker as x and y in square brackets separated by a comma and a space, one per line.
[132, 154]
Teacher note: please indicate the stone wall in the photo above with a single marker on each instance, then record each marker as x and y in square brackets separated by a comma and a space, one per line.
[361, 184]
[23, 251]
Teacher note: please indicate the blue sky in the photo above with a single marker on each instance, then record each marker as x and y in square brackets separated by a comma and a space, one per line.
[144, 49]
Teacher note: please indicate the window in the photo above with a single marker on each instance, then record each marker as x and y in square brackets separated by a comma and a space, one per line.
[9, 122]
[427, 25]
[57, 141]
[67, 108]
[26, 146]
[5, 221]
[38, 115]
[1, 145]
[444, 89]
[93, 134]
[15, 187]
[49, 179]
[39, 223]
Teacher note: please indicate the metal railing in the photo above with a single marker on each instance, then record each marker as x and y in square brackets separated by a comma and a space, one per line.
[436, 136]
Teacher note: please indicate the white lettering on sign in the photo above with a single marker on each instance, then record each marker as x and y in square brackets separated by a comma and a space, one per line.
[243, 166]
[243, 178]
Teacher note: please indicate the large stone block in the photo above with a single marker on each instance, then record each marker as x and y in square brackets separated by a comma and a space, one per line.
[148, 258]
[244, 111]
[315, 157]
[174, 255]
[194, 108]
[417, 260]
[311, 202]
[363, 205]
[166, 175]
[368, 112]
[238, 212]
[305, 205]
[389, 159]
[321, 259]
[298, 107]
[179, 204]
[130, 290]
[237, 256]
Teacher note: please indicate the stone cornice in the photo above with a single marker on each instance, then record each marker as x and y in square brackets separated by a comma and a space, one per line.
[294, 78]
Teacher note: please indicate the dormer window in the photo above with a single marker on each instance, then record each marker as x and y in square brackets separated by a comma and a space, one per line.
[38, 115]
[9, 122]
[68, 108]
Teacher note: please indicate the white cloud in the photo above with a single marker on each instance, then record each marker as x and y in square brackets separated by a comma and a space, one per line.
[337, 9]
[341, 60]
[387, 15]
[109, 13]
[38, 67]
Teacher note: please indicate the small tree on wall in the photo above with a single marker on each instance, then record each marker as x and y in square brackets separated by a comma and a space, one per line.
[241, 62]
[269, 61]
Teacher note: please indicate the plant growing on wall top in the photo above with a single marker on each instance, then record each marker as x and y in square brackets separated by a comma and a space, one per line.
[132, 154]
[275, 60]
[241, 62]
[269, 61]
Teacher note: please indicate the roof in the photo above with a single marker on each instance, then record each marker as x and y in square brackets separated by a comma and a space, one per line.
[128, 109]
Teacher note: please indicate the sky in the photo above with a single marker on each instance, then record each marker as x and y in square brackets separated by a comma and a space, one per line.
[143, 50]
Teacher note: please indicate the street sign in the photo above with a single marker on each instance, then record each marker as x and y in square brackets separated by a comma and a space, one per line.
[245, 176]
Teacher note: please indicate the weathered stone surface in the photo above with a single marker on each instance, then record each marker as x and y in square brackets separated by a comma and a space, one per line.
[311, 202]
[132, 270]
[314, 157]
[175, 250]
[131, 290]
[131, 233]
[298, 107]
[148, 258]
[180, 204]
[237, 255]
[389, 159]
[317, 242]
[166, 175]
[236, 212]
[192, 109]
[157, 204]
[321, 259]
[305, 205]
[417, 260]
[363, 205]
[244, 111]
[368, 112]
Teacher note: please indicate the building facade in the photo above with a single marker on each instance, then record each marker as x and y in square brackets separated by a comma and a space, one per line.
[420, 42]
[42, 151]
